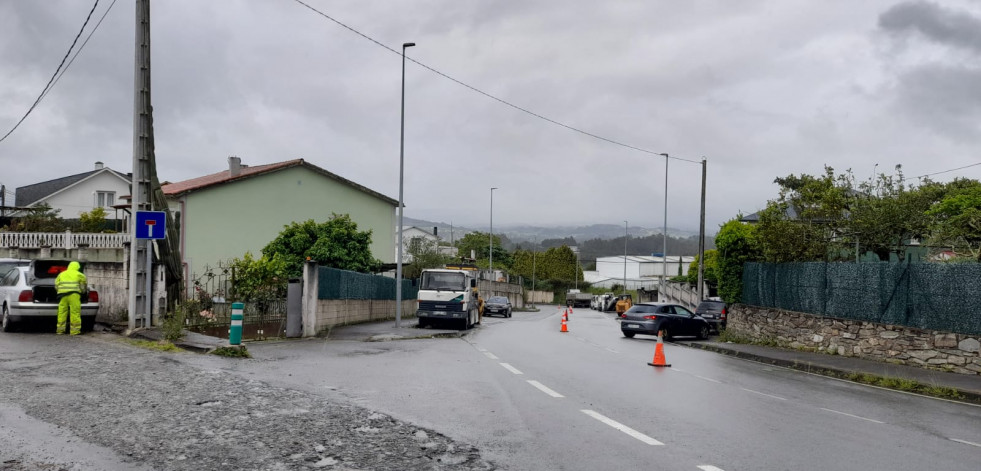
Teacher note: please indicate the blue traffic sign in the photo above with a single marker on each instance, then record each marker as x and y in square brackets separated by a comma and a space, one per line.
[151, 224]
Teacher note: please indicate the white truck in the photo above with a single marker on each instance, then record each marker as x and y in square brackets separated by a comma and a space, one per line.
[449, 295]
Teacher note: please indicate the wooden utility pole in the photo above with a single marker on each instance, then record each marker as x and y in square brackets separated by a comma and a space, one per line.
[140, 187]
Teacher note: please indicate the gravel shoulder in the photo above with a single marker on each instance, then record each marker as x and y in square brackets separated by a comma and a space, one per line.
[99, 403]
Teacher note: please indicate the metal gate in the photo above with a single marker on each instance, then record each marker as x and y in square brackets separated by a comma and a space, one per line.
[212, 297]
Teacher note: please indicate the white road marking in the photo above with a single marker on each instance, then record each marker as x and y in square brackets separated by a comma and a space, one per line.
[708, 467]
[491, 356]
[511, 369]
[764, 394]
[545, 389]
[850, 415]
[965, 442]
[623, 428]
[479, 349]
[679, 370]
[708, 379]
[611, 350]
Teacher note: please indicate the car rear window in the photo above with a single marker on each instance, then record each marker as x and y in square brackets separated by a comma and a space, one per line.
[642, 309]
[710, 306]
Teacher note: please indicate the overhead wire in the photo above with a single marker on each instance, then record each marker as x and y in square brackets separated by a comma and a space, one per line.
[55, 75]
[79, 51]
[488, 95]
[944, 171]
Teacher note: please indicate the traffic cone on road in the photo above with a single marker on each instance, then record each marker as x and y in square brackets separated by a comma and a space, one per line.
[659, 353]
[565, 327]
[565, 316]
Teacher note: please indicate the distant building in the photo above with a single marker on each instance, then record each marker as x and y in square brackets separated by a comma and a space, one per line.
[642, 271]
[79, 193]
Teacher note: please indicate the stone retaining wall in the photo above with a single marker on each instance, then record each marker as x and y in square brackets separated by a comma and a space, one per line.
[891, 343]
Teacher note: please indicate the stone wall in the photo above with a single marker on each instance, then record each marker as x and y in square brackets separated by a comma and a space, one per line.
[891, 343]
[334, 312]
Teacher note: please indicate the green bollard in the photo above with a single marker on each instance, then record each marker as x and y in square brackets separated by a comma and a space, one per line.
[235, 330]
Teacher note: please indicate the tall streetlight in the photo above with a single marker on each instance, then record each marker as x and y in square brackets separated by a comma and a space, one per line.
[664, 249]
[624, 257]
[398, 264]
[491, 242]
[534, 256]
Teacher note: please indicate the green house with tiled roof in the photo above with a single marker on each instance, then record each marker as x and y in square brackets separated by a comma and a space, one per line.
[226, 214]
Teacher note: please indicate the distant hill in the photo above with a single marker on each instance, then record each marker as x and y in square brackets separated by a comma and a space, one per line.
[642, 239]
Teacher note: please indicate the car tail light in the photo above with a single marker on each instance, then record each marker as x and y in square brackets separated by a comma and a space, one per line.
[723, 315]
[25, 296]
[93, 296]
[650, 318]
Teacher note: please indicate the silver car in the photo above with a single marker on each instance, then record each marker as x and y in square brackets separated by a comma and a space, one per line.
[27, 295]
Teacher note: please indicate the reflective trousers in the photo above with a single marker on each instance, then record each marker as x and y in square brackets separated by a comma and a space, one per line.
[70, 303]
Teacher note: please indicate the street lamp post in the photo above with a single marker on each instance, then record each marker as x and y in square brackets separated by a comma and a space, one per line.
[398, 264]
[491, 241]
[534, 256]
[664, 238]
[624, 257]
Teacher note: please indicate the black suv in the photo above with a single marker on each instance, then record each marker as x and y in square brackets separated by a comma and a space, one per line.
[714, 312]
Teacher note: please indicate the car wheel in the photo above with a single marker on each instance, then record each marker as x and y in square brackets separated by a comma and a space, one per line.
[7, 324]
[422, 323]
[628, 335]
[509, 313]
[703, 333]
[665, 333]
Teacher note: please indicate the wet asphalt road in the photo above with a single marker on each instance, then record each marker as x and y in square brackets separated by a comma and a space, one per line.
[513, 394]
[530, 397]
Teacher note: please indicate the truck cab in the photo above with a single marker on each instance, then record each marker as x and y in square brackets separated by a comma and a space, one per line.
[449, 296]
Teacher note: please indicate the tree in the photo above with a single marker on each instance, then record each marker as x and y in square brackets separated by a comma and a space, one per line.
[710, 273]
[736, 244]
[479, 243]
[958, 216]
[260, 280]
[40, 218]
[335, 243]
[93, 221]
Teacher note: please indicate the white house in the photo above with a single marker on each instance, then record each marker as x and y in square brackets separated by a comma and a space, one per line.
[639, 271]
[412, 235]
[77, 194]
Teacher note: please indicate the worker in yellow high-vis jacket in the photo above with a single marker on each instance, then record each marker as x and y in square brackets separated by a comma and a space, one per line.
[70, 285]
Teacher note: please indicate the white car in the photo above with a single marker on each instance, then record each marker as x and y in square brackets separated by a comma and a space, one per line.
[28, 295]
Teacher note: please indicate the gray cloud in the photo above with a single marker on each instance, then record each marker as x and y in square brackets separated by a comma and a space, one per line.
[941, 24]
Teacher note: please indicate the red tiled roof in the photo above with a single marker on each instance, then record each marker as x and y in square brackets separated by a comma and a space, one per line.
[173, 189]
[194, 184]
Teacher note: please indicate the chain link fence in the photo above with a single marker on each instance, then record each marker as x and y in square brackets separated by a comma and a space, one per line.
[934, 296]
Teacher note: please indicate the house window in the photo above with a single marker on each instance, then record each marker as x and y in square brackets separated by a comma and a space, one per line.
[105, 199]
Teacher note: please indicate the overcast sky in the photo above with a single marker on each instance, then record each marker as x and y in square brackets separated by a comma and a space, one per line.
[761, 89]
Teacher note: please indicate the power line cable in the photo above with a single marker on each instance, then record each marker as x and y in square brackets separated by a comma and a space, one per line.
[488, 95]
[55, 75]
[944, 171]
[79, 51]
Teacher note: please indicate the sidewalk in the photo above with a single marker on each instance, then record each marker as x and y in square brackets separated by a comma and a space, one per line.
[967, 386]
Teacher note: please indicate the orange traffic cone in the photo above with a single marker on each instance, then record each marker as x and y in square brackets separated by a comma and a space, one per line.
[565, 316]
[659, 353]
[565, 327]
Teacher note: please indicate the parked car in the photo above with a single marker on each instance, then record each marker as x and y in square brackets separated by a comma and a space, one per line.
[8, 263]
[714, 311]
[500, 305]
[671, 319]
[28, 295]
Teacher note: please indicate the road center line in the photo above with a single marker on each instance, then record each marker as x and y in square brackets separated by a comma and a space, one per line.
[545, 389]
[511, 369]
[764, 394]
[850, 415]
[491, 356]
[965, 442]
[623, 428]
[708, 379]
[708, 467]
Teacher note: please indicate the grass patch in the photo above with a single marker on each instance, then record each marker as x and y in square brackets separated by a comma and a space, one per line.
[903, 384]
[232, 352]
[160, 346]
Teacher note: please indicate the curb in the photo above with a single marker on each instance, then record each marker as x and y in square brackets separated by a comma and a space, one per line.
[969, 397]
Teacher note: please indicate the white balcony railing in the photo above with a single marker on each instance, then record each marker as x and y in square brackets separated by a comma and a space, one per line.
[61, 240]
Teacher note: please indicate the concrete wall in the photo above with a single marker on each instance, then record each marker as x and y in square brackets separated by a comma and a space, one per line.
[322, 314]
[513, 292]
[539, 297]
[895, 344]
